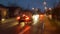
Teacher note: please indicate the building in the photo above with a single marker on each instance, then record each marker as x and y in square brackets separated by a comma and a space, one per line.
[13, 11]
[3, 11]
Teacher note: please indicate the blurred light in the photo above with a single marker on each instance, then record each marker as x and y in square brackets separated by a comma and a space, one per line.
[32, 8]
[50, 16]
[41, 15]
[35, 18]
[3, 19]
[22, 24]
[18, 17]
[45, 8]
[27, 18]
[44, 3]
[23, 15]
[50, 9]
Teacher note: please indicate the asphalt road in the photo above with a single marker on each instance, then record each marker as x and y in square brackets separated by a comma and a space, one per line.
[46, 28]
[49, 28]
[12, 27]
[7, 25]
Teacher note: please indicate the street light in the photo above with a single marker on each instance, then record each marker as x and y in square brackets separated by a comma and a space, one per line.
[32, 8]
[50, 9]
[44, 3]
[50, 16]
[45, 8]
[3, 19]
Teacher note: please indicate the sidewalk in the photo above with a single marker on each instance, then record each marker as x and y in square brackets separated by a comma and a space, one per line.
[48, 26]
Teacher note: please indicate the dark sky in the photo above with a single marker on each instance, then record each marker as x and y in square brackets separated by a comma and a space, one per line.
[29, 3]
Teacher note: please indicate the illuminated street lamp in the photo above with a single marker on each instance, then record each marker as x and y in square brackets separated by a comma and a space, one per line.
[32, 8]
[50, 9]
[44, 3]
[3, 19]
[45, 8]
[35, 9]
[50, 16]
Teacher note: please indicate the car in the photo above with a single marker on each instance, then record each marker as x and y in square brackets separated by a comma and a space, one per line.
[24, 18]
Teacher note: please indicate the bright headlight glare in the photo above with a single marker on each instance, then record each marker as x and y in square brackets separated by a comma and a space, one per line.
[3, 19]
[22, 24]
[35, 18]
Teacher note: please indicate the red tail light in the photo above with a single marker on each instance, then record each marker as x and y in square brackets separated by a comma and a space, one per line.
[41, 17]
[18, 18]
[27, 18]
[23, 15]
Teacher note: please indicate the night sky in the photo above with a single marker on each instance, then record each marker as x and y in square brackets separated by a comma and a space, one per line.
[29, 4]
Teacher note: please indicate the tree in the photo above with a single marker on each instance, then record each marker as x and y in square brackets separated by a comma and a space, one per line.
[56, 12]
[56, 17]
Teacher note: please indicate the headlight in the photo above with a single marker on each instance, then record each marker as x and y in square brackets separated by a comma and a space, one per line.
[22, 24]
[3, 19]
[35, 18]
